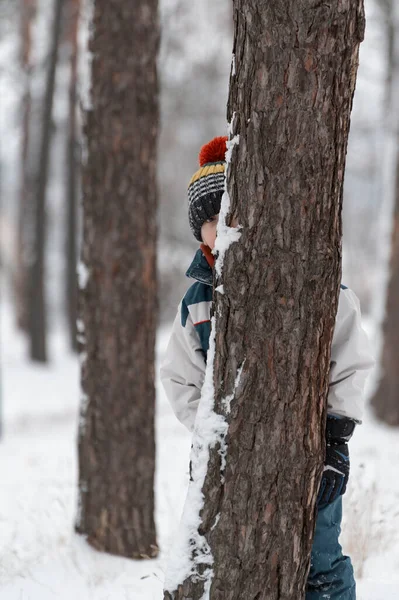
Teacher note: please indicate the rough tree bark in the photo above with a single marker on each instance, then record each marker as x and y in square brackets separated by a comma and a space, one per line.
[385, 401]
[28, 12]
[291, 90]
[37, 309]
[72, 176]
[119, 312]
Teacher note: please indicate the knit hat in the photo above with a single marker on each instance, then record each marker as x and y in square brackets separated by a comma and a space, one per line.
[206, 187]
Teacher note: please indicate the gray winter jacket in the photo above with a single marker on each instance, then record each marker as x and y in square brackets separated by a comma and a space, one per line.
[183, 368]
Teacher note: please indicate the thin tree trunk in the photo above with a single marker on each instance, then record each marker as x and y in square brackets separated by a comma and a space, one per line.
[387, 7]
[388, 145]
[73, 178]
[290, 101]
[37, 317]
[385, 401]
[28, 12]
[118, 281]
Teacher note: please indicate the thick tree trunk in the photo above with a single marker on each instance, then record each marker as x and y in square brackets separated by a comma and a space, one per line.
[28, 12]
[290, 101]
[72, 178]
[119, 312]
[37, 309]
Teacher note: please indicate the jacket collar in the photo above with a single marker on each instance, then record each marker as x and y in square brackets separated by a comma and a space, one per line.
[200, 269]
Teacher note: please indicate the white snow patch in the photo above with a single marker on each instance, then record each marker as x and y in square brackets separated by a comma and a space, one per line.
[217, 519]
[230, 147]
[85, 34]
[192, 549]
[84, 402]
[220, 289]
[233, 65]
[83, 274]
[226, 402]
[226, 235]
[239, 373]
[80, 335]
[230, 126]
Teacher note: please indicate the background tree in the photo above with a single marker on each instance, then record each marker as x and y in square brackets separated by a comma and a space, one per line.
[386, 398]
[389, 17]
[290, 124]
[36, 298]
[72, 191]
[116, 438]
[27, 15]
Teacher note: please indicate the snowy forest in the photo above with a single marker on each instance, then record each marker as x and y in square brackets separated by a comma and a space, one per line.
[199, 268]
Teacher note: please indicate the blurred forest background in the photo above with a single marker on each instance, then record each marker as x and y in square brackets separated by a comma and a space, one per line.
[44, 82]
[194, 67]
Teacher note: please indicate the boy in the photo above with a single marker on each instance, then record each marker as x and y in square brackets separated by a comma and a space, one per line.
[183, 369]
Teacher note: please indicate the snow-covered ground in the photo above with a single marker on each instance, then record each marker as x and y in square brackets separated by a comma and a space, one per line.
[41, 558]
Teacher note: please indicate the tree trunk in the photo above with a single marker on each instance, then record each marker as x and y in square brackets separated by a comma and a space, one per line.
[37, 309]
[28, 12]
[291, 90]
[73, 178]
[385, 401]
[388, 148]
[118, 281]
[388, 10]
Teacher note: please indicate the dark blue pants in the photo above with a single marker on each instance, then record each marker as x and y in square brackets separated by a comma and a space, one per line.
[331, 573]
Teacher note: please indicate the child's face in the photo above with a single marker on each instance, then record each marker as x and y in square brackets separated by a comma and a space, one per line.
[208, 231]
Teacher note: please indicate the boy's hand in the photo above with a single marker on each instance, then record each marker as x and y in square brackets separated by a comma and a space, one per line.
[335, 477]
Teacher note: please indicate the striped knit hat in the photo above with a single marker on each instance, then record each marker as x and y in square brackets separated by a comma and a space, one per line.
[206, 187]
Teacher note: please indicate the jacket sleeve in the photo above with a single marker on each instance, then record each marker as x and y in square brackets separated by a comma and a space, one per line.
[183, 370]
[351, 360]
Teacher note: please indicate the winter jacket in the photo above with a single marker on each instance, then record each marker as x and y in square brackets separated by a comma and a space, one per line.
[183, 368]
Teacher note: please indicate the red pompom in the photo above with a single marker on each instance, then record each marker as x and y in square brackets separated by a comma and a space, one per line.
[213, 151]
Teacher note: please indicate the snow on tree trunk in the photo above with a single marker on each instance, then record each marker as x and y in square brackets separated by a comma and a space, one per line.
[118, 282]
[258, 443]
